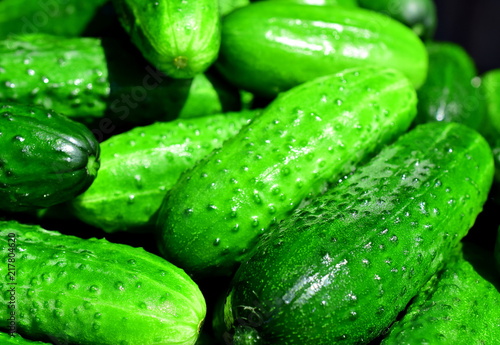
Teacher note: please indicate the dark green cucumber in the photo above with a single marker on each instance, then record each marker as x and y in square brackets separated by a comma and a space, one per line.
[68, 18]
[459, 306]
[141, 165]
[263, 43]
[419, 15]
[341, 269]
[16, 339]
[308, 136]
[348, 3]
[45, 158]
[94, 292]
[448, 94]
[180, 38]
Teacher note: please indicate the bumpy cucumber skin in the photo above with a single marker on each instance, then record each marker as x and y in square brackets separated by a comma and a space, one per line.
[341, 269]
[94, 292]
[419, 15]
[67, 18]
[65, 74]
[7, 339]
[308, 136]
[263, 43]
[448, 93]
[180, 38]
[141, 165]
[45, 158]
[459, 306]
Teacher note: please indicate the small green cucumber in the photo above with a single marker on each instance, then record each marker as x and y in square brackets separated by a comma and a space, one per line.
[490, 84]
[68, 18]
[180, 38]
[263, 43]
[448, 94]
[16, 339]
[419, 15]
[341, 269]
[458, 306]
[308, 136]
[94, 292]
[141, 165]
[45, 158]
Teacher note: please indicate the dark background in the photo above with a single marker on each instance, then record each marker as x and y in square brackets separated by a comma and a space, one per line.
[475, 25]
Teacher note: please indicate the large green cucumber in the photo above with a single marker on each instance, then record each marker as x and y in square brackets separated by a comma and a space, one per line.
[308, 136]
[141, 165]
[66, 18]
[94, 292]
[102, 81]
[341, 269]
[45, 158]
[458, 306]
[180, 38]
[419, 15]
[448, 93]
[271, 46]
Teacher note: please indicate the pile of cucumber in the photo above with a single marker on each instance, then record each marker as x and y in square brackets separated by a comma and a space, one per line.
[237, 172]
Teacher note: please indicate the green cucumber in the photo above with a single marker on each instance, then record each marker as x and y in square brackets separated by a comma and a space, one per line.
[307, 137]
[64, 74]
[16, 339]
[419, 15]
[102, 82]
[94, 292]
[448, 94]
[141, 165]
[341, 269]
[347, 3]
[45, 158]
[459, 306]
[263, 43]
[68, 18]
[180, 38]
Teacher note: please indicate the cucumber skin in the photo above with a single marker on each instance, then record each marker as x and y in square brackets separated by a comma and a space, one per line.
[65, 74]
[228, 6]
[448, 93]
[45, 158]
[180, 38]
[341, 269]
[307, 137]
[67, 18]
[263, 43]
[141, 165]
[7, 339]
[455, 307]
[419, 15]
[94, 292]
